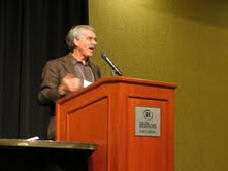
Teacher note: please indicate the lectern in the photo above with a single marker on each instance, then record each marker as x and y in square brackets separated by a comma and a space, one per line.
[131, 120]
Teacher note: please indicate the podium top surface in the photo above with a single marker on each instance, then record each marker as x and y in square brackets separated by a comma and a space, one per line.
[132, 80]
[50, 144]
[120, 79]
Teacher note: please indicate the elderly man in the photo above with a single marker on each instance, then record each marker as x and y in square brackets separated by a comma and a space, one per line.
[69, 73]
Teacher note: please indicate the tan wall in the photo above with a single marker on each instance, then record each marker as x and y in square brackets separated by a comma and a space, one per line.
[181, 41]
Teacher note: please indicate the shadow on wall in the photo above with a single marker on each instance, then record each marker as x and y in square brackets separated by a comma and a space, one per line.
[210, 12]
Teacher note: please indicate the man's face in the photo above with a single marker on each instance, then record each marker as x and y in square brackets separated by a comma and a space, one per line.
[87, 43]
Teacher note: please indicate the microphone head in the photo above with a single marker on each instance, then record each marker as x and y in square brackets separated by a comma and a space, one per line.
[103, 55]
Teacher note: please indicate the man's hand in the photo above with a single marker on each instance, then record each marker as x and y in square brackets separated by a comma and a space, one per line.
[69, 84]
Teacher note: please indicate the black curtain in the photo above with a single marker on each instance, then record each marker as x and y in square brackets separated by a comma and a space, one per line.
[31, 32]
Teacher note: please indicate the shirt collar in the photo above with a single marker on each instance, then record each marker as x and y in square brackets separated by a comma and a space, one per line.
[75, 61]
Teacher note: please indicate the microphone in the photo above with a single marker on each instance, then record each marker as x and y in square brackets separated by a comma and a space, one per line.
[113, 66]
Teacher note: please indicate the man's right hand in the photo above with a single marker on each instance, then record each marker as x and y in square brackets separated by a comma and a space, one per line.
[69, 84]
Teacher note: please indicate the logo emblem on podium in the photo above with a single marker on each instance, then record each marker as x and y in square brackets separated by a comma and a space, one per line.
[148, 114]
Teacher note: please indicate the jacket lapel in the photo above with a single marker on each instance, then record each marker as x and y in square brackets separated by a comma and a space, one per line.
[69, 65]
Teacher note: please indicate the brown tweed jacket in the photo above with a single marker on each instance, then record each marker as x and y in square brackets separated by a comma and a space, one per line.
[53, 72]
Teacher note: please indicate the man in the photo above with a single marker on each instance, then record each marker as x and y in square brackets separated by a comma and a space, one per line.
[70, 73]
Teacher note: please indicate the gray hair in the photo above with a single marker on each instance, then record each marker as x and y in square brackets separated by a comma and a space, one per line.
[76, 32]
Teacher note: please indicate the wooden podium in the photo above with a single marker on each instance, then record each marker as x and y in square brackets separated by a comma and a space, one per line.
[131, 120]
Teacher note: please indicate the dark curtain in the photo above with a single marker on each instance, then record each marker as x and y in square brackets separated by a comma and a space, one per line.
[31, 32]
